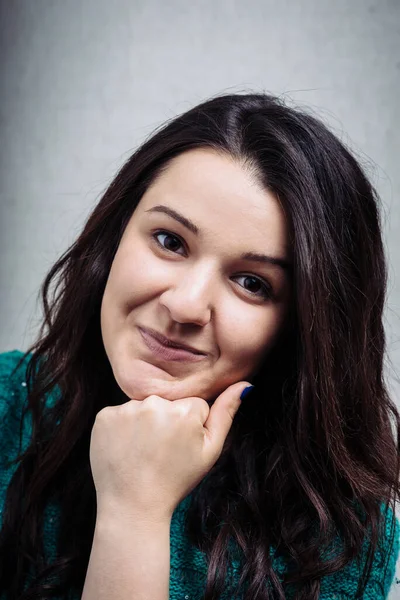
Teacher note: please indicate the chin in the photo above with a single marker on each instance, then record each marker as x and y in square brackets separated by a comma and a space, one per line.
[133, 388]
[126, 380]
[140, 387]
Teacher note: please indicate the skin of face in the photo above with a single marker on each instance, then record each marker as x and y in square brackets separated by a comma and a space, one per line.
[196, 288]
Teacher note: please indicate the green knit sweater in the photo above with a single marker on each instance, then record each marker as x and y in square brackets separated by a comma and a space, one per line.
[188, 565]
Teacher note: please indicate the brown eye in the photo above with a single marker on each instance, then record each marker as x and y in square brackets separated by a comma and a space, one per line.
[171, 242]
[256, 286]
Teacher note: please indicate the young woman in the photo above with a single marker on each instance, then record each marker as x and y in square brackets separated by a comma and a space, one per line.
[240, 245]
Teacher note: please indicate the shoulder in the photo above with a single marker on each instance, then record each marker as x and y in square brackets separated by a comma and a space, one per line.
[9, 361]
[13, 401]
[13, 395]
[344, 583]
[13, 366]
[387, 553]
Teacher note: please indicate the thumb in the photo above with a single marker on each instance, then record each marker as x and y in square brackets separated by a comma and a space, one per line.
[221, 416]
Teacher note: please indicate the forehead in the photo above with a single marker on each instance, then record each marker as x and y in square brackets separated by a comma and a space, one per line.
[222, 197]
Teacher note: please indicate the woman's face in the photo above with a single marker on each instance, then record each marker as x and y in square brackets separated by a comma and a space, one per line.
[180, 271]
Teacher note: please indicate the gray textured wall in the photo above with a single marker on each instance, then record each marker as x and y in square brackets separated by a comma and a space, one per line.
[84, 81]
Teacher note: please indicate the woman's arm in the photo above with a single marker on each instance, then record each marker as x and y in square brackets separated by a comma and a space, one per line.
[147, 456]
[130, 559]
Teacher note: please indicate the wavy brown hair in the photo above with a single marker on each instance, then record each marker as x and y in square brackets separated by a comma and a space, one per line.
[311, 453]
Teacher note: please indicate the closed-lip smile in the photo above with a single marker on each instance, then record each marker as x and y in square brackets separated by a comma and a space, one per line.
[168, 343]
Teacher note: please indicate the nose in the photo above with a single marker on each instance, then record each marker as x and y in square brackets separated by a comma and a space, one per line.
[189, 299]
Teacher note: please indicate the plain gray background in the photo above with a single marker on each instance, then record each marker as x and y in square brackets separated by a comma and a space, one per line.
[83, 82]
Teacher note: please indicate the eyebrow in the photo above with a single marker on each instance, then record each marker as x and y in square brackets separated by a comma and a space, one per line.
[250, 256]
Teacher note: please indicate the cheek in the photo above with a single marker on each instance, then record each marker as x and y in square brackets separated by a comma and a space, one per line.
[251, 334]
[136, 273]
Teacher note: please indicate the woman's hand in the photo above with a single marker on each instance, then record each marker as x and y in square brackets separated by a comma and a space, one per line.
[147, 455]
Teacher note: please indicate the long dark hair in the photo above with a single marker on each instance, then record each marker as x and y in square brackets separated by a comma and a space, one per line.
[312, 453]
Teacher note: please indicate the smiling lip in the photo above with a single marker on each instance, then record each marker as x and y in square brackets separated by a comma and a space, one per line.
[168, 352]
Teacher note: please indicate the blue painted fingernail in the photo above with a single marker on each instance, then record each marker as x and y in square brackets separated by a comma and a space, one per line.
[246, 391]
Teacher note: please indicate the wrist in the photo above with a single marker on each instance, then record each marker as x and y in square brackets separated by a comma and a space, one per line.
[117, 515]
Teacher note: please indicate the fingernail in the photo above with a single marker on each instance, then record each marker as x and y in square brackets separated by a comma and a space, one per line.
[246, 391]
